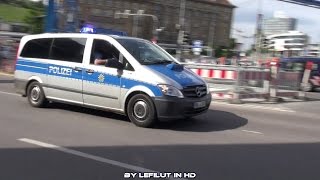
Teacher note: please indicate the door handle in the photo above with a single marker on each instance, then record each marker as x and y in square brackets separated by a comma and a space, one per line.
[77, 69]
[90, 71]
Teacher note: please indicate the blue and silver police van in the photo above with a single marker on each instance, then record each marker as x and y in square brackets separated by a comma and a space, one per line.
[138, 79]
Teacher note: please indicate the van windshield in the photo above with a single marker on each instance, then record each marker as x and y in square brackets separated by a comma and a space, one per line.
[145, 52]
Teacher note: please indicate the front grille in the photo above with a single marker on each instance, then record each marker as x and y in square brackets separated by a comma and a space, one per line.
[195, 91]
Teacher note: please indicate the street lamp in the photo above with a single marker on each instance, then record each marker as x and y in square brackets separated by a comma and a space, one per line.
[140, 12]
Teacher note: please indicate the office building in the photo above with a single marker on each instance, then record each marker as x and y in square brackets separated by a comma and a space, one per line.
[206, 20]
[291, 43]
[280, 23]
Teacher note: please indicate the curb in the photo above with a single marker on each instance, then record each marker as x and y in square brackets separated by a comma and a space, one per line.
[6, 74]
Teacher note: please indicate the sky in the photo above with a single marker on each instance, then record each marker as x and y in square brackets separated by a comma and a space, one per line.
[245, 15]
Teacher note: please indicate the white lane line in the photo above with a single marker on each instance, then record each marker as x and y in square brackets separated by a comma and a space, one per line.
[7, 93]
[255, 107]
[88, 156]
[254, 132]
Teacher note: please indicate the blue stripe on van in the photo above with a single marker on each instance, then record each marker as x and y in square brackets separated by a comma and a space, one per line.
[31, 63]
[108, 79]
[41, 68]
[31, 67]
[129, 83]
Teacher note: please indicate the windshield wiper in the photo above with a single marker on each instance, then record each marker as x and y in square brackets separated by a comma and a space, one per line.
[163, 62]
[157, 62]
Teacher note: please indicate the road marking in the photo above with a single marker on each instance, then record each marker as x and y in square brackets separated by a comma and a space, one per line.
[7, 93]
[256, 107]
[5, 74]
[255, 132]
[88, 156]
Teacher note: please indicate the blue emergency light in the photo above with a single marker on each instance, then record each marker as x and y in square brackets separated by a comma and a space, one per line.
[90, 29]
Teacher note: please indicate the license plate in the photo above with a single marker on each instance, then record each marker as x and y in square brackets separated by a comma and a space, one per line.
[200, 104]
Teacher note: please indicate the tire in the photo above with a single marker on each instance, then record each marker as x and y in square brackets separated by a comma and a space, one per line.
[141, 111]
[35, 95]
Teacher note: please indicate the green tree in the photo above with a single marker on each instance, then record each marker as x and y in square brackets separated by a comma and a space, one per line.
[35, 18]
[223, 51]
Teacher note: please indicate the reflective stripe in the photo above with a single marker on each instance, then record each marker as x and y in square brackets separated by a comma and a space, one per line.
[109, 79]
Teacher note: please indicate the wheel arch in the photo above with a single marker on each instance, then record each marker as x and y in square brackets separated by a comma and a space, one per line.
[30, 80]
[134, 91]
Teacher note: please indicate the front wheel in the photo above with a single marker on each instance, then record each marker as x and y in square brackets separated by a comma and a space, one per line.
[35, 95]
[141, 111]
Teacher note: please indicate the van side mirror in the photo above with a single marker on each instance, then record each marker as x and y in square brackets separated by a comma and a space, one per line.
[114, 63]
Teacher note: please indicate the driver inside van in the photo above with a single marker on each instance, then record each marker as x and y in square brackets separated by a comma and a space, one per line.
[98, 60]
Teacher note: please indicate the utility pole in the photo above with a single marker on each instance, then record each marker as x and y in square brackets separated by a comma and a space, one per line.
[180, 26]
[50, 25]
[259, 30]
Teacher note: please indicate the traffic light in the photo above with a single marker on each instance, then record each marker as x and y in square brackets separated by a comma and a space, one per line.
[186, 38]
[180, 37]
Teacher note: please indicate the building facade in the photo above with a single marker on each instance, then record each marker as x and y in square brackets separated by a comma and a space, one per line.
[313, 50]
[206, 20]
[280, 23]
[292, 43]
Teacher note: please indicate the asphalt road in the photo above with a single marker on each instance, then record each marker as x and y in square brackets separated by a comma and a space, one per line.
[254, 141]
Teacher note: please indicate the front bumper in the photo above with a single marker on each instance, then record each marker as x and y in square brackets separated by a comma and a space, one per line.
[177, 108]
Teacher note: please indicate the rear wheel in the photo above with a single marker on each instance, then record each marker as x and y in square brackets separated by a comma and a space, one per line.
[35, 95]
[141, 111]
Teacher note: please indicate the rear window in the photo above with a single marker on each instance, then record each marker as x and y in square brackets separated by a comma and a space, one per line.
[37, 48]
[68, 49]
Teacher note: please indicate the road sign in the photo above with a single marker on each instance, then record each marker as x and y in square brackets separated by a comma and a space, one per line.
[197, 46]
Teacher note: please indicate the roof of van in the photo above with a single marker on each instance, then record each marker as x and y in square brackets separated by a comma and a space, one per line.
[48, 35]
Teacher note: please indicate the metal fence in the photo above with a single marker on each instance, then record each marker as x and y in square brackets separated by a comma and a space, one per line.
[289, 80]
[249, 82]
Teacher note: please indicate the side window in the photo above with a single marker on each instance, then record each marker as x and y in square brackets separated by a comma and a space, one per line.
[68, 49]
[102, 51]
[37, 48]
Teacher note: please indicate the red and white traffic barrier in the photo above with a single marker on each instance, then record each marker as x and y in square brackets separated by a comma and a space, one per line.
[216, 74]
[221, 96]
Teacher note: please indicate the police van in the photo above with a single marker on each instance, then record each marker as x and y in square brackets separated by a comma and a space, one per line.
[138, 78]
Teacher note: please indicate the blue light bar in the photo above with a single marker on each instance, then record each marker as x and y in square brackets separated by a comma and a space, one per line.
[89, 29]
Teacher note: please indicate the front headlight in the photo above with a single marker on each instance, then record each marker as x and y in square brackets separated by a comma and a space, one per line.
[170, 90]
[208, 88]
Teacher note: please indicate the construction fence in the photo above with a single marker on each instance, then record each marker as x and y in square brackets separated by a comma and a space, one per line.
[249, 82]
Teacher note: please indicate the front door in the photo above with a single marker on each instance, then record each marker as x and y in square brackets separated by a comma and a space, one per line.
[101, 84]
